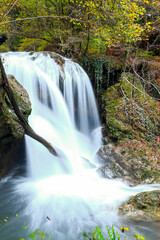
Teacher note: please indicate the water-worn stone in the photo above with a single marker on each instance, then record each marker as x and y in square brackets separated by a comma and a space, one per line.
[130, 168]
[11, 131]
[143, 206]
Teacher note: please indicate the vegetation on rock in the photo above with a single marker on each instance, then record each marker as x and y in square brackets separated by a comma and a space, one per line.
[130, 112]
[11, 131]
[144, 206]
[132, 120]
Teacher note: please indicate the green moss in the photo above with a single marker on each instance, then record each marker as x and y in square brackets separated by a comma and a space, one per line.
[146, 205]
[11, 131]
[129, 110]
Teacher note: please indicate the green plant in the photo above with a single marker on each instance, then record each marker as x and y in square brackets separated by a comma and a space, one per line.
[39, 235]
[97, 235]
[112, 235]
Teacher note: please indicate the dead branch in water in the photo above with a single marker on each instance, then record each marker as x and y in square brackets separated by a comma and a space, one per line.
[28, 130]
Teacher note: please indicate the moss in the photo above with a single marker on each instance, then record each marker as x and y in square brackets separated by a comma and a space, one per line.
[132, 119]
[129, 110]
[144, 205]
[11, 131]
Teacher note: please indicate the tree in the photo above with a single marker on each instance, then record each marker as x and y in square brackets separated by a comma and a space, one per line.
[78, 26]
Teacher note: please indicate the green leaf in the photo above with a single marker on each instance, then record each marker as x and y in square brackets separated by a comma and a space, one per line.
[100, 236]
[118, 236]
[109, 233]
[142, 238]
[114, 235]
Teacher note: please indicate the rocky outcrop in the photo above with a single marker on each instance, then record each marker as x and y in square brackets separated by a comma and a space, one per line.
[143, 206]
[131, 149]
[129, 112]
[122, 162]
[132, 122]
[11, 131]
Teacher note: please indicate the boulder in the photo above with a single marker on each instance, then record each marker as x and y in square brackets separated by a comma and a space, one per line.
[143, 206]
[132, 125]
[129, 112]
[11, 131]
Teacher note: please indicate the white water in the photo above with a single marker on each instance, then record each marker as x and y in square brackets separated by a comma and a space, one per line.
[65, 188]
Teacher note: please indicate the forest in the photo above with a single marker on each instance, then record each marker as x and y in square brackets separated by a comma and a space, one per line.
[75, 28]
[117, 43]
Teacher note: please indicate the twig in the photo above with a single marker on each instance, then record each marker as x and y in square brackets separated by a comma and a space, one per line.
[134, 86]
[38, 17]
[9, 10]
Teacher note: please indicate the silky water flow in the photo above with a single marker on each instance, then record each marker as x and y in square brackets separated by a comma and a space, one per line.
[63, 195]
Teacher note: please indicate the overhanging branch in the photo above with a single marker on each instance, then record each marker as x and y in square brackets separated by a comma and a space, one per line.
[28, 130]
[48, 16]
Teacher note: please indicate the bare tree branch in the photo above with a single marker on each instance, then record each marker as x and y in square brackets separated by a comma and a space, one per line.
[28, 130]
[145, 81]
[9, 10]
[48, 16]
[134, 86]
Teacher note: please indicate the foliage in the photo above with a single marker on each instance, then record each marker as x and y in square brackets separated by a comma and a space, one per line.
[39, 235]
[103, 71]
[36, 235]
[77, 26]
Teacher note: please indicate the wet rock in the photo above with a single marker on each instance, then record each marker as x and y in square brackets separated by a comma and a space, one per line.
[119, 162]
[57, 58]
[11, 131]
[143, 206]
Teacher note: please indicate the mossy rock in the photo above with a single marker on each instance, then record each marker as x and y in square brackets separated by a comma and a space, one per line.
[144, 206]
[132, 120]
[57, 58]
[134, 161]
[11, 131]
[129, 111]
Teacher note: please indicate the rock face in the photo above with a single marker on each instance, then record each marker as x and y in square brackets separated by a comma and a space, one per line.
[131, 149]
[129, 112]
[144, 206]
[120, 162]
[11, 132]
[132, 121]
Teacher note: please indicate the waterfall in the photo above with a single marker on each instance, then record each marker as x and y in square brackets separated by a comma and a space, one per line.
[65, 189]
[64, 111]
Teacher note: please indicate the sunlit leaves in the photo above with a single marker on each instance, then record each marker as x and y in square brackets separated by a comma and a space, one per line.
[78, 25]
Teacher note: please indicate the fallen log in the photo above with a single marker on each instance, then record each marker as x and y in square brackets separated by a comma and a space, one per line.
[27, 128]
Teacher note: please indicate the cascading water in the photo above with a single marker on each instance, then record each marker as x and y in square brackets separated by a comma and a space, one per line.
[64, 110]
[67, 188]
